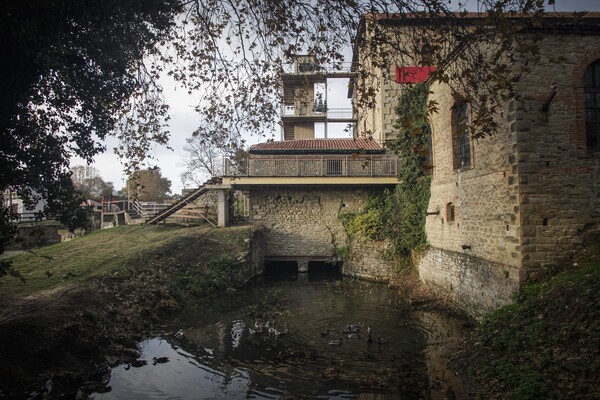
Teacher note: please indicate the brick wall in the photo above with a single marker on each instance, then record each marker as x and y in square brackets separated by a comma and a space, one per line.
[529, 199]
[558, 178]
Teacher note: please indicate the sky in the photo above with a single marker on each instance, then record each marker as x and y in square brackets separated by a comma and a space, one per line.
[184, 120]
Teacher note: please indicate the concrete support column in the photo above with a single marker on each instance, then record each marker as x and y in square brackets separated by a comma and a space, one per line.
[302, 265]
[223, 207]
[302, 277]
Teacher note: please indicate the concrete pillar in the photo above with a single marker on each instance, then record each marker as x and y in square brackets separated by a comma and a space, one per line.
[223, 207]
[302, 265]
[302, 277]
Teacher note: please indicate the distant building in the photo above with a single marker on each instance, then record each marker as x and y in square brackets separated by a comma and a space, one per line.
[20, 211]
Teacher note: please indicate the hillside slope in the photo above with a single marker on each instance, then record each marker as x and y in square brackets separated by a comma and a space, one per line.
[546, 345]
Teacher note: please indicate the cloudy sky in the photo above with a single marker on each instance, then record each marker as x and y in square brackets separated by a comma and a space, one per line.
[184, 120]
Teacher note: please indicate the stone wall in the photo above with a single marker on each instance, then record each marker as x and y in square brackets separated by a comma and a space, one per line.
[484, 195]
[477, 285]
[559, 179]
[256, 257]
[367, 259]
[30, 235]
[379, 120]
[303, 223]
[379, 117]
[530, 197]
[476, 257]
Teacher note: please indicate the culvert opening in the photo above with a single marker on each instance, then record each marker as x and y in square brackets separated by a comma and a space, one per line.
[319, 270]
[280, 270]
[288, 270]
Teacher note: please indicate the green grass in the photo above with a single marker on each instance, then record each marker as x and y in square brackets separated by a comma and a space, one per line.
[115, 251]
[547, 344]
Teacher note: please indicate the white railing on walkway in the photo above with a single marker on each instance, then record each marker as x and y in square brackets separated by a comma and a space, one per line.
[332, 113]
[314, 165]
[149, 209]
[308, 68]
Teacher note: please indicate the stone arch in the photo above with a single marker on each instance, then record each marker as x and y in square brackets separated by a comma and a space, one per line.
[578, 135]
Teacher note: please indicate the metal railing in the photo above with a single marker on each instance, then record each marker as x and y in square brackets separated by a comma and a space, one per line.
[149, 209]
[306, 111]
[26, 217]
[314, 165]
[310, 67]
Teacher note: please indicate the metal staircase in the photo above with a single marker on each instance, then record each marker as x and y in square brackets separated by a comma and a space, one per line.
[189, 199]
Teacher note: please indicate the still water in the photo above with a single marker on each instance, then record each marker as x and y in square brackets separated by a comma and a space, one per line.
[214, 353]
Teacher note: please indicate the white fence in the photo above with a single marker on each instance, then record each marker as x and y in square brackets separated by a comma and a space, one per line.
[314, 165]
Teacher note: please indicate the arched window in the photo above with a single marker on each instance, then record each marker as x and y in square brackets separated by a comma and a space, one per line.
[461, 140]
[591, 81]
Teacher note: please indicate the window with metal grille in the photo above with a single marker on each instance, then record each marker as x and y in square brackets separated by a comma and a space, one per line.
[592, 106]
[461, 139]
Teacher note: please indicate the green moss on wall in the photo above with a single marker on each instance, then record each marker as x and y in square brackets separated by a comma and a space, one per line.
[399, 215]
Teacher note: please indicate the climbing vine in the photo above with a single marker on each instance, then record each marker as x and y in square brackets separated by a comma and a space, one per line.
[399, 215]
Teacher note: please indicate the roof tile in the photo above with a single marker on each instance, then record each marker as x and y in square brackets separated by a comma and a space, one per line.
[337, 145]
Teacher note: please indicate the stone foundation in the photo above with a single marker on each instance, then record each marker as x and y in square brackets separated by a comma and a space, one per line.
[367, 259]
[478, 286]
[303, 225]
[35, 235]
[256, 257]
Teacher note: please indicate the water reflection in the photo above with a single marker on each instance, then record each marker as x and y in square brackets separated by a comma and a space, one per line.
[218, 357]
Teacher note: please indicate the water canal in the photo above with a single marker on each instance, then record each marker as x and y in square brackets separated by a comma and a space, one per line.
[215, 353]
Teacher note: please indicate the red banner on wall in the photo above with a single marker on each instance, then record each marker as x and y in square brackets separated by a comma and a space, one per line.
[412, 74]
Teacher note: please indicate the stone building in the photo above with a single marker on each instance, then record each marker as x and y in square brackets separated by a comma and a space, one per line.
[505, 206]
[298, 188]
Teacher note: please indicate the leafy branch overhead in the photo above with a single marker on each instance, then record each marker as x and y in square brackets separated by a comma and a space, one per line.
[73, 73]
[232, 53]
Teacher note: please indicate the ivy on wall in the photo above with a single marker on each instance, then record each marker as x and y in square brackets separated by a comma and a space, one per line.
[399, 215]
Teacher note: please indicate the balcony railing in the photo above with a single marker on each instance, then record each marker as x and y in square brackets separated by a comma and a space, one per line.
[311, 67]
[307, 111]
[314, 166]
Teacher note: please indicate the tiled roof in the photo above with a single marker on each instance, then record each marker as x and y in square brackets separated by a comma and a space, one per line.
[309, 146]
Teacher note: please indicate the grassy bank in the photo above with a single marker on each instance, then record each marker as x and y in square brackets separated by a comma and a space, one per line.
[547, 344]
[86, 301]
[118, 250]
